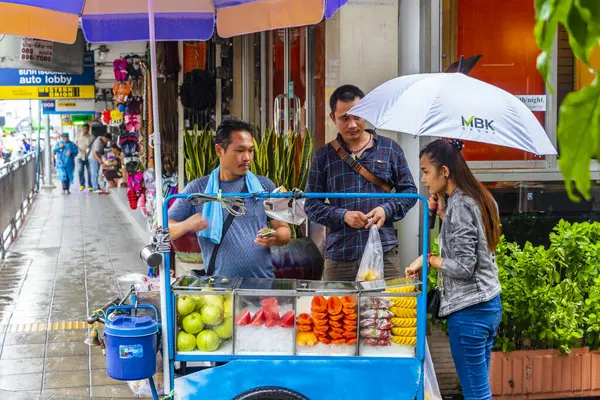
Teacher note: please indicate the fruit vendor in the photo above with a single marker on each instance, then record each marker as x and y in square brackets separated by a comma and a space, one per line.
[358, 160]
[237, 246]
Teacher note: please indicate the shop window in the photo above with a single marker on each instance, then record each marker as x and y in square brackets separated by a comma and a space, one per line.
[502, 32]
[530, 210]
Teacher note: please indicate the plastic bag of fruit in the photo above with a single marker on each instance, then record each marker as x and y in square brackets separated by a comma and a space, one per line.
[371, 263]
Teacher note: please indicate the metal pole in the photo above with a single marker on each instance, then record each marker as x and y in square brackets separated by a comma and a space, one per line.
[47, 151]
[263, 82]
[286, 79]
[37, 153]
[245, 81]
[165, 274]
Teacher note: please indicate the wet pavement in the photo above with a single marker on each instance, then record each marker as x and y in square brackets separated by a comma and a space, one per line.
[65, 263]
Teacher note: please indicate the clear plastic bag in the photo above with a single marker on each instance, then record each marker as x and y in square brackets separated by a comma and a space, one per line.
[286, 210]
[371, 263]
[141, 388]
[432, 390]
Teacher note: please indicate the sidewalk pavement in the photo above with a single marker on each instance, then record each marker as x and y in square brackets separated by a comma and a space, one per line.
[64, 264]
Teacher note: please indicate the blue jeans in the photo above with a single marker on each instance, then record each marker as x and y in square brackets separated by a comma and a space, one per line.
[472, 332]
[94, 167]
[83, 166]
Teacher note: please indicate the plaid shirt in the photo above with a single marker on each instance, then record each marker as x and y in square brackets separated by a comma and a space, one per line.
[330, 174]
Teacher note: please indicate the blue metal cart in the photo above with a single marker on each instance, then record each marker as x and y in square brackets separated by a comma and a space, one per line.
[295, 377]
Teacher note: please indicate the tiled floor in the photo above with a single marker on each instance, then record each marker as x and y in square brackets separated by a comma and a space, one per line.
[65, 263]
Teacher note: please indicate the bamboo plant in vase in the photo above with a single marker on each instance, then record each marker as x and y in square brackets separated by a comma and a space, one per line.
[200, 160]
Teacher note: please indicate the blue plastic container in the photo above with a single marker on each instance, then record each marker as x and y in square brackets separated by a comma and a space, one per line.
[130, 347]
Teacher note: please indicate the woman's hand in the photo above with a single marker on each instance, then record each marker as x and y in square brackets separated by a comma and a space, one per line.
[414, 270]
[437, 202]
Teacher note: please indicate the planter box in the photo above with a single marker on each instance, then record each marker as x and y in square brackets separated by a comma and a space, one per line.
[545, 374]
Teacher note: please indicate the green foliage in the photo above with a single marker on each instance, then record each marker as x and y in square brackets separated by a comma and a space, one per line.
[199, 153]
[579, 121]
[551, 296]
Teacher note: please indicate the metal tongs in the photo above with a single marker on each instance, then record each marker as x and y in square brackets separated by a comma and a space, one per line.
[234, 205]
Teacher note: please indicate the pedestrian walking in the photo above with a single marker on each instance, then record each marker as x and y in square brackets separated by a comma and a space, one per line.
[84, 144]
[358, 160]
[95, 160]
[65, 152]
[468, 284]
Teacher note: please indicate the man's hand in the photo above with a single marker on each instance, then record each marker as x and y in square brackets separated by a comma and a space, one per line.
[68, 153]
[376, 216]
[355, 219]
[266, 241]
[60, 146]
[196, 223]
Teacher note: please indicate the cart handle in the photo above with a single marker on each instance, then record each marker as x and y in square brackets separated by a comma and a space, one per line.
[131, 307]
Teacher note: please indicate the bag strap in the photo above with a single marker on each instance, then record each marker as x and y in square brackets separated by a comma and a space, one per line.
[357, 167]
[213, 257]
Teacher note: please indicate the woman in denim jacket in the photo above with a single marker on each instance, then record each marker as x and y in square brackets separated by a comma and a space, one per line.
[470, 290]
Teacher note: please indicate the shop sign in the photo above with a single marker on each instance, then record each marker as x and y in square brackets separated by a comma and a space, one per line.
[31, 84]
[71, 106]
[535, 102]
[36, 50]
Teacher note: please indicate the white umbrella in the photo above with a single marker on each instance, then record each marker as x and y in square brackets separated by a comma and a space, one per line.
[454, 106]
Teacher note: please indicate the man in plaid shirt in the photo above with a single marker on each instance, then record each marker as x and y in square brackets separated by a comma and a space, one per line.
[349, 220]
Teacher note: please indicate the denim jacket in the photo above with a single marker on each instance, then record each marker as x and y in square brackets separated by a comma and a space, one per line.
[469, 272]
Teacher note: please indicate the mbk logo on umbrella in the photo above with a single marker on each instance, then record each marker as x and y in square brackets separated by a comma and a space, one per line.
[478, 123]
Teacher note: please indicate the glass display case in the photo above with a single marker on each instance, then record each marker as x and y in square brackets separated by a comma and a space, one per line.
[204, 310]
[388, 317]
[264, 317]
[327, 318]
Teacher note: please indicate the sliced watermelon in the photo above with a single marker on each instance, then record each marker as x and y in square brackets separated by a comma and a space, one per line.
[269, 301]
[287, 320]
[272, 323]
[259, 318]
[244, 318]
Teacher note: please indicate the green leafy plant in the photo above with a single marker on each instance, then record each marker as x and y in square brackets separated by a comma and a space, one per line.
[550, 296]
[579, 120]
[199, 153]
[283, 159]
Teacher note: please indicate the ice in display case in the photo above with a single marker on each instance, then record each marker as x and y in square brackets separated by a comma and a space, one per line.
[264, 317]
[388, 317]
[204, 310]
[326, 318]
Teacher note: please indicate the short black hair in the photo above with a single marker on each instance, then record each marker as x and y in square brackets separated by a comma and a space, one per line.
[346, 94]
[115, 146]
[227, 127]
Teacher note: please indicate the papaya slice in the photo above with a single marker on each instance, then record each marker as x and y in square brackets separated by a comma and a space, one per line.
[349, 328]
[339, 341]
[346, 310]
[336, 330]
[335, 335]
[334, 305]
[321, 328]
[335, 324]
[324, 340]
[349, 335]
[321, 322]
[336, 317]
[351, 341]
[320, 334]
[304, 328]
[352, 317]
[303, 319]
[319, 304]
[348, 301]
[319, 315]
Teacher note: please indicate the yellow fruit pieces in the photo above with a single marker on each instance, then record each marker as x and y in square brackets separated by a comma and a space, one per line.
[407, 341]
[404, 312]
[404, 302]
[404, 322]
[403, 289]
[404, 331]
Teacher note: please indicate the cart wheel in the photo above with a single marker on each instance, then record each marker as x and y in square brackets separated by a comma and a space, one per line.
[271, 393]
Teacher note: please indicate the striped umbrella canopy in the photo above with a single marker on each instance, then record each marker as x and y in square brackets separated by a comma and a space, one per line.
[127, 20]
